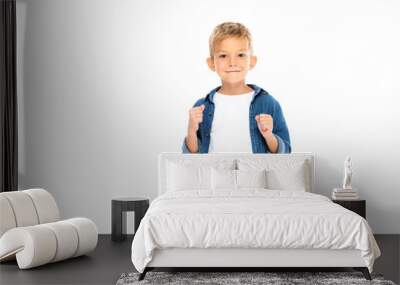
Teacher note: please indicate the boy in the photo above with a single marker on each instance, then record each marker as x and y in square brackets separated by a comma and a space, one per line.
[235, 117]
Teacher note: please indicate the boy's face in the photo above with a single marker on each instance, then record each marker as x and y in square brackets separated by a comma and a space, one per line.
[232, 59]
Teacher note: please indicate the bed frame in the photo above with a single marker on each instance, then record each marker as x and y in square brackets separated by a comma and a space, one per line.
[248, 259]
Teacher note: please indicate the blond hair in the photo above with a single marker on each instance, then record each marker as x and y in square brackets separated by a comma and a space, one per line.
[227, 30]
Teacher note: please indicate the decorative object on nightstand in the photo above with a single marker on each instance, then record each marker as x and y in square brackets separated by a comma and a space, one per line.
[119, 207]
[357, 206]
[348, 173]
[346, 192]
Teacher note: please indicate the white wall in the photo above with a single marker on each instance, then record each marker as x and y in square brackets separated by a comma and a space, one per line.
[104, 86]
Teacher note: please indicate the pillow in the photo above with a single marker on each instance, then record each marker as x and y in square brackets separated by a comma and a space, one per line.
[288, 178]
[223, 179]
[251, 178]
[237, 179]
[289, 174]
[182, 177]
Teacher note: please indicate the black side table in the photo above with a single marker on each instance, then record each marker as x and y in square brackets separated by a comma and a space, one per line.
[119, 207]
[357, 206]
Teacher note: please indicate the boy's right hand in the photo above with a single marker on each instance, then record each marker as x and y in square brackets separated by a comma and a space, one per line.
[195, 118]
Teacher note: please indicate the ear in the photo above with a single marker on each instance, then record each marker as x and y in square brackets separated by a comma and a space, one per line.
[210, 63]
[253, 61]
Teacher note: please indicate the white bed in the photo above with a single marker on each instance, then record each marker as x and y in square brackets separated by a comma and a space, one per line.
[200, 219]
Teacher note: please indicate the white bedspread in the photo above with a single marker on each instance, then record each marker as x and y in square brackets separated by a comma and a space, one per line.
[251, 218]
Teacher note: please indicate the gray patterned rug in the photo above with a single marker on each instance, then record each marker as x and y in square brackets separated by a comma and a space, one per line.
[270, 278]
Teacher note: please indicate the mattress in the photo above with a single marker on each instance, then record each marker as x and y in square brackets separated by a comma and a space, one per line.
[250, 218]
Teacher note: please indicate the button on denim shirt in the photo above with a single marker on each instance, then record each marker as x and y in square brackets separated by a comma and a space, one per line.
[261, 103]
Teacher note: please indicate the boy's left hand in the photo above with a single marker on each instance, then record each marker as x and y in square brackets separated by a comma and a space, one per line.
[265, 124]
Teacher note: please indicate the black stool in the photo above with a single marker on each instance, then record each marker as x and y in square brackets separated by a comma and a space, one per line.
[119, 207]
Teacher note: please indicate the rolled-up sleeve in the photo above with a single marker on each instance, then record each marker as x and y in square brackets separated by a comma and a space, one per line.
[281, 131]
[185, 148]
[283, 147]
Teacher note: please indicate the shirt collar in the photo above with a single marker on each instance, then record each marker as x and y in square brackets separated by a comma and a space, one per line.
[256, 89]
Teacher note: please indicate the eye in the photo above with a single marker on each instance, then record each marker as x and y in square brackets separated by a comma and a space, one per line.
[222, 56]
[242, 55]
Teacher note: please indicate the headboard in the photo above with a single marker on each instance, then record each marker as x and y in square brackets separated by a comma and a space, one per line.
[165, 157]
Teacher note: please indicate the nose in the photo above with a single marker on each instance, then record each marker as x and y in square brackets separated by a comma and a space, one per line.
[232, 61]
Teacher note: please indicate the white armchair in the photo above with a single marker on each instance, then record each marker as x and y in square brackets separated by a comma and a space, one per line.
[31, 230]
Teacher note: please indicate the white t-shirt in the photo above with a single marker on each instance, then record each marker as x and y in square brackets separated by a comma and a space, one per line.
[230, 130]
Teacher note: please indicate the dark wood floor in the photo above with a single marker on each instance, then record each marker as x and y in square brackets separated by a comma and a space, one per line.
[111, 259]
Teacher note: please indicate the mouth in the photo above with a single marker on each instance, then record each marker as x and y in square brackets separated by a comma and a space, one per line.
[230, 71]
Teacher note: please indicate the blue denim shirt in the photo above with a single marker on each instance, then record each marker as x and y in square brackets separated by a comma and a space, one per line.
[261, 103]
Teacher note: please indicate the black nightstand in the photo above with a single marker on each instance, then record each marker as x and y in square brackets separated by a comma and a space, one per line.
[357, 206]
[119, 207]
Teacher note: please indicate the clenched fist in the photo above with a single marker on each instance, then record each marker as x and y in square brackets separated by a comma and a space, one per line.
[195, 118]
[265, 124]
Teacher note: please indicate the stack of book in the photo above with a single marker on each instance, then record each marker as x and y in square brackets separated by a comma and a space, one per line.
[344, 194]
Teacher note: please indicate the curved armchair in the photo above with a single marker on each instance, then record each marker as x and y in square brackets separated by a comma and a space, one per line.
[31, 230]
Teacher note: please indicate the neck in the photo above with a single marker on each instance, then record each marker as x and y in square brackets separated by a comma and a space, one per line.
[234, 88]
